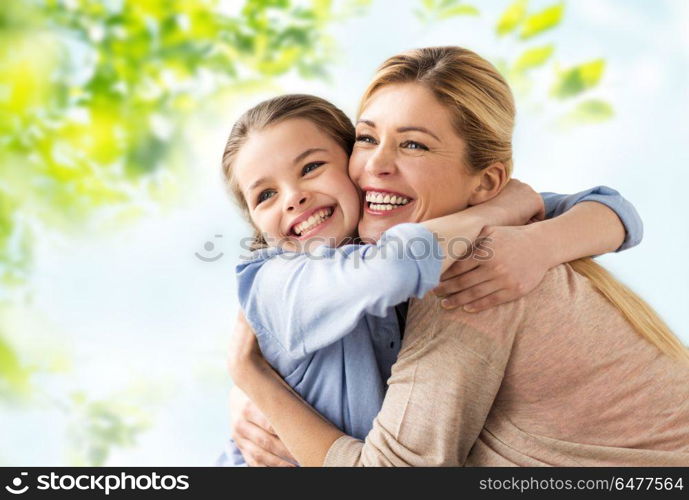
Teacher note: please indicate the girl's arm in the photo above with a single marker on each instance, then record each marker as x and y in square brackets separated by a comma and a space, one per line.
[592, 222]
[438, 398]
[617, 228]
[289, 415]
[308, 301]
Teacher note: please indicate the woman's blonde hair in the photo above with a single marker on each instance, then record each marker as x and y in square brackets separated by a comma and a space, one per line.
[477, 96]
[482, 109]
[323, 114]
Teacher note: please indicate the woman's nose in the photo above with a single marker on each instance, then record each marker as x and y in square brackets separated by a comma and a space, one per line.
[381, 163]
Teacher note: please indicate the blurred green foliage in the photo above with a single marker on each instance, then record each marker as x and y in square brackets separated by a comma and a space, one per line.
[431, 11]
[98, 426]
[572, 83]
[576, 80]
[14, 377]
[542, 21]
[94, 96]
[512, 17]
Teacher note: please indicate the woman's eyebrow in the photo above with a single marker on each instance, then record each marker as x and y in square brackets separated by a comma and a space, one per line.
[418, 129]
[411, 128]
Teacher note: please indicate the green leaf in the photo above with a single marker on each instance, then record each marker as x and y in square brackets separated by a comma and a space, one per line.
[13, 376]
[534, 57]
[460, 10]
[542, 21]
[588, 112]
[511, 17]
[578, 79]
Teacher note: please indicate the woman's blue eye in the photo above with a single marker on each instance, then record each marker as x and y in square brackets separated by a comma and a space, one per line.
[414, 145]
[366, 139]
[264, 195]
[310, 167]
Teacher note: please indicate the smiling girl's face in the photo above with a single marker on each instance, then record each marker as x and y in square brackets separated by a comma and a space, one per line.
[294, 180]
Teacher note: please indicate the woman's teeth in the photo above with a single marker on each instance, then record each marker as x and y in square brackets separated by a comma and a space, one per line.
[385, 201]
[313, 221]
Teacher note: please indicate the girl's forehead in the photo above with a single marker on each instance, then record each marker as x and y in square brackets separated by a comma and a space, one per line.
[278, 149]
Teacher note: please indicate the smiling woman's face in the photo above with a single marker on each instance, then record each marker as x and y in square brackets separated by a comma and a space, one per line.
[408, 159]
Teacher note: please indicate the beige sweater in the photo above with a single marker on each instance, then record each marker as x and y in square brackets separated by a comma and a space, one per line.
[556, 378]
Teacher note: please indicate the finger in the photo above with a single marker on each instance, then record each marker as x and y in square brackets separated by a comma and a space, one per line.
[492, 300]
[258, 457]
[469, 295]
[259, 437]
[460, 267]
[255, 416]
[462, 282]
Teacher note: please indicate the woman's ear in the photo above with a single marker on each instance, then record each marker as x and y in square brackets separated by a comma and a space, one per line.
[491, 182]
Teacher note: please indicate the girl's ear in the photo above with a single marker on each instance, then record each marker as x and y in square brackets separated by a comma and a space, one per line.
[491, 182]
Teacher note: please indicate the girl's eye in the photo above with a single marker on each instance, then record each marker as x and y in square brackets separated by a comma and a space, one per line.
[414, 145]
[310, 167]
[264, 195]
[366, 139]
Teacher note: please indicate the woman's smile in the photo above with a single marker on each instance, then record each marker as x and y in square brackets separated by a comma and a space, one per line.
[385, 202]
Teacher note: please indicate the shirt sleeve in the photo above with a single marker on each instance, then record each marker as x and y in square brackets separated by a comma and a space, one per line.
[308, 301]
[557, 204]
[440, 393]
[231, 456]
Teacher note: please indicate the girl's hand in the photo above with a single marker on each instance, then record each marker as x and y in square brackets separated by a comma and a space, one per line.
[507, 263]
[244, 351]
[520, 203]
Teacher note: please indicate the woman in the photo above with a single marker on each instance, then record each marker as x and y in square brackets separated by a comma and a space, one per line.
[523, 387]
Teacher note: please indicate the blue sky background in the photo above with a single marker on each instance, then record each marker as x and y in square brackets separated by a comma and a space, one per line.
[144, 317]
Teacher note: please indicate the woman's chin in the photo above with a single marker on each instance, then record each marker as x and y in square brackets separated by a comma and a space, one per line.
[371, 227]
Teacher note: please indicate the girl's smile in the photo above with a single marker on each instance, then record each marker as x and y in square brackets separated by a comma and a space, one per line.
[295, 181]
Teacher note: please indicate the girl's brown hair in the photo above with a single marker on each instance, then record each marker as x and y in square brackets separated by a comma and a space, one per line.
[325, 115]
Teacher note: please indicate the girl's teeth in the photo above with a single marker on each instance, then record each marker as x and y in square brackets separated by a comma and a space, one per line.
[386, 199]
[312, 221]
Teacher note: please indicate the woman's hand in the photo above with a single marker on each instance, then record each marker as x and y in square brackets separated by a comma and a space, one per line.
[254, 436]
[507, 263]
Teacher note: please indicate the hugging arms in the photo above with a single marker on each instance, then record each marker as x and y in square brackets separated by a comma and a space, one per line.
[413, 163]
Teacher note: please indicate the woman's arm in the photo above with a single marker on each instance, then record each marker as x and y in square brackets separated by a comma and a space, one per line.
[277, 401]
[592, 222]
[445, 369]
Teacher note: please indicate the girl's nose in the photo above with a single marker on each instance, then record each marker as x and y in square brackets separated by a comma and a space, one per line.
[295, 200]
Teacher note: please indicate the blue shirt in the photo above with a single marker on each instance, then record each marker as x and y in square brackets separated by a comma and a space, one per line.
[326, 321]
